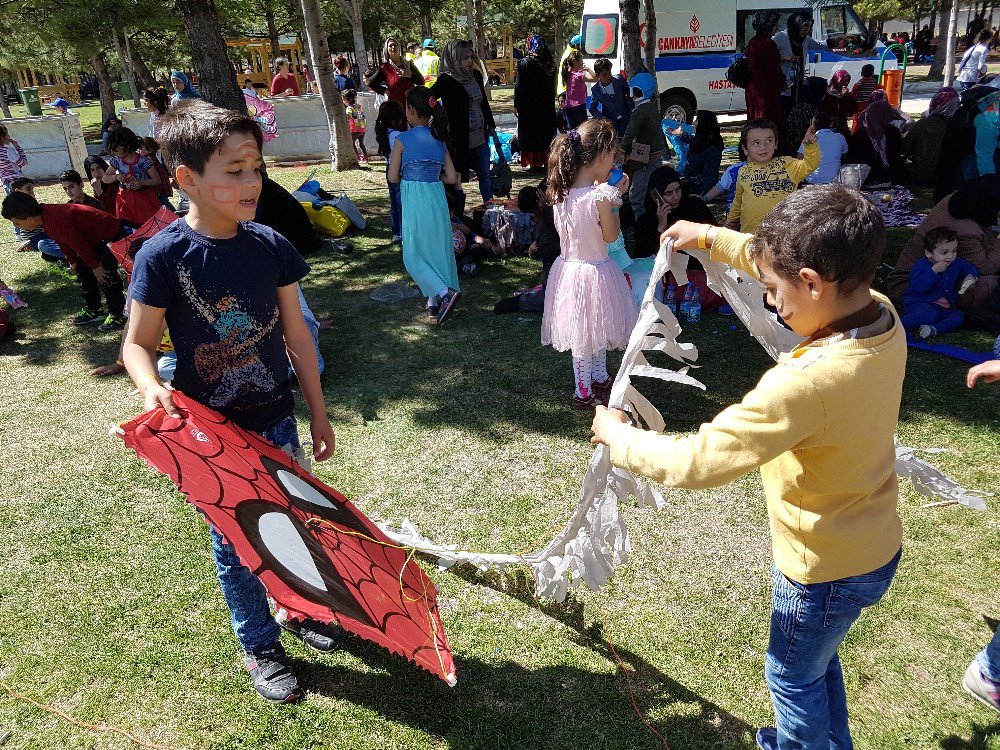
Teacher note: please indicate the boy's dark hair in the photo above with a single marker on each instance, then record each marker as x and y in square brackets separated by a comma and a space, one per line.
[20, 206]
[985, 35]
[19, 182]
[194, 130]
[758, 124]
[821, 120]
[527, 199]
[71, 175]
[937, 236]
[867, 70]
[350, 96]
[602, 65]
[123, 138]
[842, 240]
[3, 131]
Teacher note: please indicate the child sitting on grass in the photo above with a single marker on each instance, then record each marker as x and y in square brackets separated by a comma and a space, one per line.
[930, 303]
[226, 287]
[767, 178]
[820, 426]
[83, 234]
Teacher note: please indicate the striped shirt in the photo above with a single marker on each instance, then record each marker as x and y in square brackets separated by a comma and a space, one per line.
[12, 158]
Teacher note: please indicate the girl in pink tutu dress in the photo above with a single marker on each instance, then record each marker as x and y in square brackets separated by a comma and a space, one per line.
[588, 305]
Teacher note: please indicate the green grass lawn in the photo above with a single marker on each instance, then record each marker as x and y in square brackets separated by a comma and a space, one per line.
[111, 612]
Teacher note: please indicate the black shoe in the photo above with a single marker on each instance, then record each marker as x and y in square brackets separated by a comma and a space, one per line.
[507, 305]
[316, 635]
[448, 303]
[112, 323]
[432, 312]
[271, 676]
[87, 316]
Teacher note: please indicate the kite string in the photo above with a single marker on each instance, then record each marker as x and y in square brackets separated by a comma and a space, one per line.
[412, 551]
[82, 724]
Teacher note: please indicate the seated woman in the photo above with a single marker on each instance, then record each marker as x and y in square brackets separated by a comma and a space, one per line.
[701, 169]
[839, 102]
[923, 141]
[666, 203]
[970, 212]
[878, 143]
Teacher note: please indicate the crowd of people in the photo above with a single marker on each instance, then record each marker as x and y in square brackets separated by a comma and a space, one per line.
[819, 425]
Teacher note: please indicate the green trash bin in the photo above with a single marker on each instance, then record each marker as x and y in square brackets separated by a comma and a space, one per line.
[29, 98]
[125, 90]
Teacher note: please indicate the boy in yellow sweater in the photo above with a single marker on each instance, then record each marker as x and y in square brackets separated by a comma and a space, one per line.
[820, 427]
[767, 179]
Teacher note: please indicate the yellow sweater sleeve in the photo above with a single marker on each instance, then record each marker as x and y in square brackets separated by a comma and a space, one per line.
[799, 169]
[733, 249]
[779, 414]
[733, 218]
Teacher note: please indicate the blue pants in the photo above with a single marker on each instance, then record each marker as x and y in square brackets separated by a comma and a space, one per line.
[943, 319]
[479, 161]
[989, 658]
[246, 596]
[808, 624]
[395, 210]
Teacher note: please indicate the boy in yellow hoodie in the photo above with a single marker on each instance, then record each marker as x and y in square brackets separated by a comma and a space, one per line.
[820, 426]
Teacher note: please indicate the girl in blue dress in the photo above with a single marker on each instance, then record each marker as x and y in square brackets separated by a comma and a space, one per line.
[418, 158]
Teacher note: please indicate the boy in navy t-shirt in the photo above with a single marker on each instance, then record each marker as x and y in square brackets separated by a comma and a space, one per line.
[226, 288]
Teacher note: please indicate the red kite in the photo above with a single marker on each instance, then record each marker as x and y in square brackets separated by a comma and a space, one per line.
[160, 220]
[316, 554]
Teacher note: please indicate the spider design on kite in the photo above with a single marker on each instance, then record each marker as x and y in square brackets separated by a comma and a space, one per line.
[316, 554]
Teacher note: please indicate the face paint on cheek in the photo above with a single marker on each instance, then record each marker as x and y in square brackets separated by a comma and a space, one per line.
[225, 195]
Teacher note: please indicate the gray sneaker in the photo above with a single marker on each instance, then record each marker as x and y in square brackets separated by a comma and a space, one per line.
[981, 687]
[271, 676]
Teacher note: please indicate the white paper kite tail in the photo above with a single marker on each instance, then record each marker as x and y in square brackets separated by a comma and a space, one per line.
[595, 539]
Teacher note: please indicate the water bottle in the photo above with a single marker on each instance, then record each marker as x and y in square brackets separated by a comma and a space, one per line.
[694, 306]
[685, 303]
[670, 299]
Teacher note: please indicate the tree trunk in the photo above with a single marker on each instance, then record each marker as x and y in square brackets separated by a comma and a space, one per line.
[470, 23]
[949, 65]
[216, 76]
[937, 66]
[558, 38]
[425, 20]
[341, 149]
[480, 32]
[272, 30]
[142, 72]
[631, 50]
[651, 37]
[122, 48]
[353, 11]
[4, 107]
[105, 86]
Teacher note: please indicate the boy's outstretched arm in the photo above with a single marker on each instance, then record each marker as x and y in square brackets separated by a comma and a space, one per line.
[725, 245]
[145, 329]
[780, 414]
[302, 352]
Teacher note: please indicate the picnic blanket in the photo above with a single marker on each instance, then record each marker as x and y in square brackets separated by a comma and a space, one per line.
[896, 210]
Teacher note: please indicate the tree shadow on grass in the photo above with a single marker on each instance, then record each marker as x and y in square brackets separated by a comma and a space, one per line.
[506, 704]
[981, 737]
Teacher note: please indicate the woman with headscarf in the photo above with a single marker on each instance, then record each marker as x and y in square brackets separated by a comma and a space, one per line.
[878, 143]
[666, 202]
[767, 81]
[460, 88]
[923, 141]
[534, 104]
[704, 156]
[182, 88]
[839, 102]
[795, 44]
[396, 75]
[970, 212]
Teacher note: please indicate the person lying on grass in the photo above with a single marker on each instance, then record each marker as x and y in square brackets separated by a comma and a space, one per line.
[820, 427]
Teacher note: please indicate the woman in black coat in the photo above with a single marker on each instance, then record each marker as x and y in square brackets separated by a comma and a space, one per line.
[470, 120]
[667, 201]
[534, 104]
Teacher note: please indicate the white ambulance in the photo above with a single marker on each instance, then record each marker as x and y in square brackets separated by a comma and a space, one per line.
[697, 41]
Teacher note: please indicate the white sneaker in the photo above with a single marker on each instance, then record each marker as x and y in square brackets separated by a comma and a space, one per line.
[980, 687]
[925, 331]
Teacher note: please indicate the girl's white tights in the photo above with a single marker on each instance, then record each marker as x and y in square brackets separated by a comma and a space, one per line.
[589, 370]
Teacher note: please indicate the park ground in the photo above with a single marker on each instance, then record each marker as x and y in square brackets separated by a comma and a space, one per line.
[110, 610]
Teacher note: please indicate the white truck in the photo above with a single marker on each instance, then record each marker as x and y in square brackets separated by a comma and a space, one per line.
[697, 41]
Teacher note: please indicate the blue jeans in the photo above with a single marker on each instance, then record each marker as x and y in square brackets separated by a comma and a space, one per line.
[944, 319]
[808, 623]
[395, 210]
[479, 161]
[989, 658]
[245, 595]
